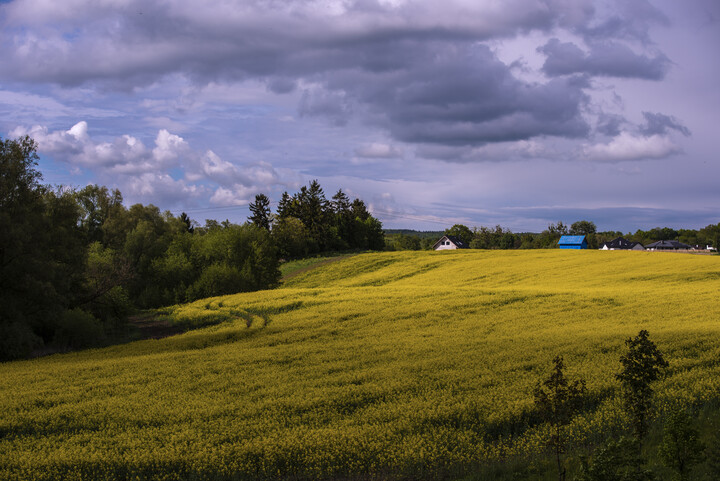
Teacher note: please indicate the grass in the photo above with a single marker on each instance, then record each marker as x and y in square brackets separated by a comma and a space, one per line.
[387, 365]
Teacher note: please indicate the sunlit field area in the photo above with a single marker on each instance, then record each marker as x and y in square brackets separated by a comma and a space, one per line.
[386, 365]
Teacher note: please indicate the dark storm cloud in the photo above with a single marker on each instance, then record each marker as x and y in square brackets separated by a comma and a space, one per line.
[136, 42]
[607, 59]
[419, 70]
[455, 94]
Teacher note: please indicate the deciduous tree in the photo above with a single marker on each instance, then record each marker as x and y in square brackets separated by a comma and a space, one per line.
[558, 400]
[642, 364]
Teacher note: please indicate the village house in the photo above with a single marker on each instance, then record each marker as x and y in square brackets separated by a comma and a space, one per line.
[667, 245]
[572, 242]
[621, 243]
[448, 242]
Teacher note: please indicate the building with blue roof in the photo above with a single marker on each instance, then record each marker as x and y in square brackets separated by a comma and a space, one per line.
[572, 242]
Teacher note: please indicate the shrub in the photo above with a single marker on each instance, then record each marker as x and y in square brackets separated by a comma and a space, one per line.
[77, 329]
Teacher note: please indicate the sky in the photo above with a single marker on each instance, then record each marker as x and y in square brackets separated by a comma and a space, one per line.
[482, 112]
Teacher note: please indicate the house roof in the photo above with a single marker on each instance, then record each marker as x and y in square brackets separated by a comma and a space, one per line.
[571, 240]
[667, 244]
[620, 243]
[455, 240]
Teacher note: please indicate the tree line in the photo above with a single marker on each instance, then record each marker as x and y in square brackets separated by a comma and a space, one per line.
[74, 263]
[502, 238]
[306, 222]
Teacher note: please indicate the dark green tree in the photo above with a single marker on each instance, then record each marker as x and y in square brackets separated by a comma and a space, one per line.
[189, 224]
[462, 232]
[558, 400]
[260, 210]
[41, 251]
[680, 448]
[96, 204]
[286, 207]
[642, 364]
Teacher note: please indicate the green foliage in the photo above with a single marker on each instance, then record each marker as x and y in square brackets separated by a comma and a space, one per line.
[680, 449]
[617, 460]
[292, 239]
[641, 365]
[17, 339]
[583, 227]
[495, 238]
[77, 329]
[41, 250]
[336, 225]
[713, 455]
[558, 400]
[462, 232]
[260, 210]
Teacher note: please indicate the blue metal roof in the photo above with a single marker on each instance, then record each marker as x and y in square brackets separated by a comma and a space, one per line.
[571, 239]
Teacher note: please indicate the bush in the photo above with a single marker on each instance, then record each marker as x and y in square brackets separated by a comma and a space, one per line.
[217, 280]
[78, 329]
[17, 341]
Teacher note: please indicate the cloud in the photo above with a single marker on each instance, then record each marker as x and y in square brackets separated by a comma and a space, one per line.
[378, 150]
[452, 94]
[124, 155]
[606, 59]
[146, 173]
[317, 102]
[657, 123]
[422, 71]
[497, 152]
[627, 146]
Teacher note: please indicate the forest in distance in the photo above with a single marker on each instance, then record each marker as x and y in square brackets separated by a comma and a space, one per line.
[499, 237]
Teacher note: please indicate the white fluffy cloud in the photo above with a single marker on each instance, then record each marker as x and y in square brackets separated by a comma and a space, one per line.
[147, 174]
[627, 146]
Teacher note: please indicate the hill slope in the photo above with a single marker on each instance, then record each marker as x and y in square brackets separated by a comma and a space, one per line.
[391, 364]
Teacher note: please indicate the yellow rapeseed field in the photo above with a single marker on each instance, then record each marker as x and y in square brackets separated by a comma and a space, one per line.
[387, 365]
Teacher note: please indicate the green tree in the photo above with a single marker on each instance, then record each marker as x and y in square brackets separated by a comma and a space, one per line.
[558, 400]
[641, 366]
[680, 448]
[260, 210]
[583, 227]
[462, 232]
[41, 251]
[189, 223]
[96, 205]
[291, 238]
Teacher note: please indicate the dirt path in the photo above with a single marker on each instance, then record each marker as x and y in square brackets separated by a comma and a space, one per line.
[150, 327]
[313, 266]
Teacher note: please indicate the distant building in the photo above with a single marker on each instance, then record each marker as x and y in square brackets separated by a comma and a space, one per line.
[622, 244]
[448, 242]
[667, 245]
[572, 242]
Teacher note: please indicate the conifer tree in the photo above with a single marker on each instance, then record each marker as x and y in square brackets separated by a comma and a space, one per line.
[260, 210]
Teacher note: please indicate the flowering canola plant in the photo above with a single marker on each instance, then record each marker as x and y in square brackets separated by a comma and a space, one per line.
[379, 365]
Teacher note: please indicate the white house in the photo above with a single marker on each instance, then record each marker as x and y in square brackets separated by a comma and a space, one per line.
[448, 242]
